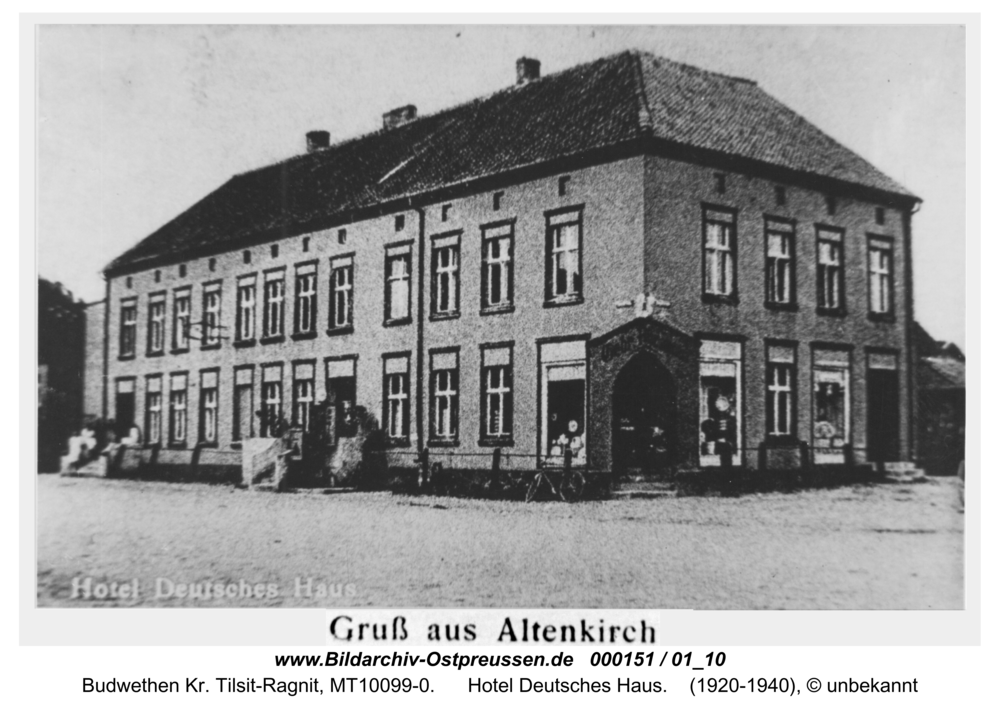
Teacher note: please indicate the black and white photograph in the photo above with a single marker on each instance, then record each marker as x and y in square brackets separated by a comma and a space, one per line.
[501, 316]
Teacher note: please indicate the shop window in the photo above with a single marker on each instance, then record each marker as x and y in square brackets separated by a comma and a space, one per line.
[563, 403]
[720, 407]
[831, 405]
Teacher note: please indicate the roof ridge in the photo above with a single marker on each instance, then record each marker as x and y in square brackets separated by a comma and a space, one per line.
[692, 67]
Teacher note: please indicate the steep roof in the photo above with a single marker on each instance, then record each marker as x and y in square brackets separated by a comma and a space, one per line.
[941, 374]
[604, 104]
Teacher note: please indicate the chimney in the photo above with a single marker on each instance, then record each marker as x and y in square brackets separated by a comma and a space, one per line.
[397, 117]
[528, 70]
[317, 141]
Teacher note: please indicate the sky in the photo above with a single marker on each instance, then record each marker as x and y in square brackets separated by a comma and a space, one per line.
[137, 123]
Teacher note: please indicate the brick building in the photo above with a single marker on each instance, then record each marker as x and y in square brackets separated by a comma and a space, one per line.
[648, 264]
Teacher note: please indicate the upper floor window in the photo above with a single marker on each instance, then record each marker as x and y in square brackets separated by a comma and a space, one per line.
[126, 334]
[880, 276]
[157, 323]
[211, 327]
[397, 284]
[305, 299]
[563, 249]
[445, 276]
[829, 269]
[182, 319]
[498, 268]
[497, 398]
[341, 293]
[246, 308]
[719, 267]
[780, 268]
[274, 304]
[396, 398]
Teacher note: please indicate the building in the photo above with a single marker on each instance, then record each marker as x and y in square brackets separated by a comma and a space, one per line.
[61, 324]
[641, 262]
[941, 403]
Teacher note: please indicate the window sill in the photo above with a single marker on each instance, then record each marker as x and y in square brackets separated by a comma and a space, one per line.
[498, 309]
[211, 346]
[154, 354]
[179, 351]
[838, 312]
[882, 318]
[208, 445]
[236, 445]
[397, 442]
[727, 299]
[450, 316]
[340, 331]
[177, 445]
[442, 443]
[780, 306]
[127, 357]
[245, 343]
[268, 340]
[496, 441]
[552, 303]
[390, 322]
[303, 336]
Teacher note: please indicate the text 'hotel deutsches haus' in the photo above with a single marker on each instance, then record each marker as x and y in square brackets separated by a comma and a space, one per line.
[637, 261]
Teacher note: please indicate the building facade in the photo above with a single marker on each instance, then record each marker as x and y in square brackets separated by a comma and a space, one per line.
[634, 264]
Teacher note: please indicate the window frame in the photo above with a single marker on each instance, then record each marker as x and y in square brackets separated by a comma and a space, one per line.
[337, 267]
[792, 234]
[435, 438]
[173, 442]
[156, 299]
[303, 271]
[713, 340]
[147, 420]
[403, 439]
[821, 308]
[847, 368]
[246, 283]
[889, 315]
[446, 241]
[732, 296]
[181, 294]
[392, 253]
[485, 438]
[203, 440]
[128, 330]
[277, 335]
[507, 305]
[570, 298]
[770, 423]
[211, 289]
[311, 362]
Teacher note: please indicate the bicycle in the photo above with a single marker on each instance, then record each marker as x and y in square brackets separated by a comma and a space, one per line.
[568, 488]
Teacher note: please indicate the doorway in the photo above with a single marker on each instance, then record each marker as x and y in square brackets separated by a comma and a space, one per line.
[644, 417]
[883, 415]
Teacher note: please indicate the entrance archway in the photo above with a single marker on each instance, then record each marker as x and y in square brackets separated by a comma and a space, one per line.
[644, 412]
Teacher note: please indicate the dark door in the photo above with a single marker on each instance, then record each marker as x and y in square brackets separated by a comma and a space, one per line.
[883, 416]
[644, 418]
[124, 413]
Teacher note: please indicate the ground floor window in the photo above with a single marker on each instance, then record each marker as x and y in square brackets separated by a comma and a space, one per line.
[178, 409]
[271, 398]
[303, 386]
[154, 409]
[831, 405]
[209, 407]
[444, 397]
[396, 398]
[780, 390]
[563, 402]
[497, 401]
[720, 407]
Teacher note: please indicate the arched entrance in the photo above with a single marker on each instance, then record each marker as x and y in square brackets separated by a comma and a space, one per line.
[644, 417]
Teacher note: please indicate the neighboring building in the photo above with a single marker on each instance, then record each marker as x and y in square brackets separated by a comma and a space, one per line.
[94, 385]
[468, 280]
[60, 370]
[941, 403]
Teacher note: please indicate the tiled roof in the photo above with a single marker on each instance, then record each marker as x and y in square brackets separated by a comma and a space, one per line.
[941, 374]
[603, 104]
